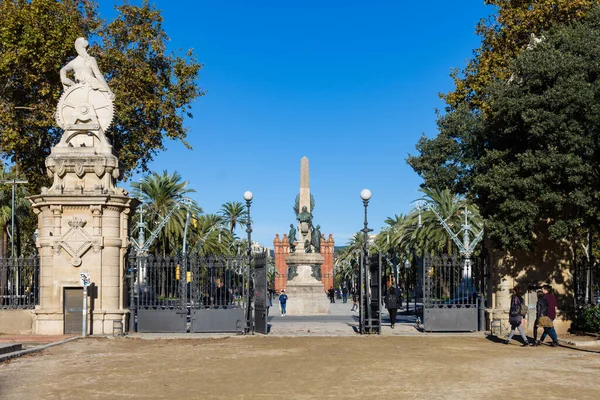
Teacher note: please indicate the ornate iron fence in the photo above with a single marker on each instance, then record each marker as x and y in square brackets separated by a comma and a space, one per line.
[19, 282]
[192, 293]
[586, 283]
[451, 293]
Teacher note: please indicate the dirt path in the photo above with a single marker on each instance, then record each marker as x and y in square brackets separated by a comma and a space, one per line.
[301, 368]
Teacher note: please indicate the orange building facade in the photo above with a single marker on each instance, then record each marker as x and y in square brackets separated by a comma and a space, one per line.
[282, 250]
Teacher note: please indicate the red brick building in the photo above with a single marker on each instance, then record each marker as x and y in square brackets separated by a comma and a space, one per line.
[282, 250]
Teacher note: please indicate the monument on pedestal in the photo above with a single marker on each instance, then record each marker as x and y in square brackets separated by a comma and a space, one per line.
[304, 286]
[83, 218]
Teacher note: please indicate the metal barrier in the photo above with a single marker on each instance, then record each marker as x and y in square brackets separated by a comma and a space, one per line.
[450, 294]
[188, 293]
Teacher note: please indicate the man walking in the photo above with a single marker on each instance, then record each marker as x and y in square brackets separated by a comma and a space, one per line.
[354, 300]
[344, 294]
[331, 294]
[551, 313]
[283, 301]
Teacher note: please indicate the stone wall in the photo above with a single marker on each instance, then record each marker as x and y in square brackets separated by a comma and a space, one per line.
[547, 263]
[16, 322]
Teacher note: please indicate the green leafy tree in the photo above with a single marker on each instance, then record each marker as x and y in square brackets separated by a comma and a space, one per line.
[154, 89]
[504, 36]
[529, 162]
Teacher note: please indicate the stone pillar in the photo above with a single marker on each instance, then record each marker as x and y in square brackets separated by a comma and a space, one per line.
[282, 249]
[83, 225]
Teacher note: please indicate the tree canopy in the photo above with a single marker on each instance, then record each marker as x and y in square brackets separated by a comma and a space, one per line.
[154, 89]
[531, 157]
[504, 36]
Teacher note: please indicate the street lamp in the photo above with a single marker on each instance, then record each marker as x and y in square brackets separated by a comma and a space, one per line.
[406, 268]
[365, 195]
[248, 197]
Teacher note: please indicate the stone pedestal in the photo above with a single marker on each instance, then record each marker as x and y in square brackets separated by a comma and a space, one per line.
[305, 289]
[83, 223]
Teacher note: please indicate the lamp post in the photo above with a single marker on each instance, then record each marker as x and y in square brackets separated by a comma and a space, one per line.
[14, 183]
[248, 197]
[365, 195]
[406, 269]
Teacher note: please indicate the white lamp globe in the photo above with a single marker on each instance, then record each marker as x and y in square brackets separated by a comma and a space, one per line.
[248, 195]
[365, 194]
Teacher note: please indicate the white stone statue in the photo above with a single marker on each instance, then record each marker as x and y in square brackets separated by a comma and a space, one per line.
[85, 69]
[86, 105]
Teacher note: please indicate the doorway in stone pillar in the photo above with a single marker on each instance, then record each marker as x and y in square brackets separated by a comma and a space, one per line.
[73, 310]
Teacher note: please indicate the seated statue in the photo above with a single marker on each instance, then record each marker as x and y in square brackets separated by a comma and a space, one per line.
[85, 70]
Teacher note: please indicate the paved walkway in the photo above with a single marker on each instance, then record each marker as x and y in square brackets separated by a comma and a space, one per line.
[340, 322]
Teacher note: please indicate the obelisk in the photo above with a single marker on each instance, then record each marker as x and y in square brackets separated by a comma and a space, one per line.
[304, 201]
[305, 291]
[304, 184]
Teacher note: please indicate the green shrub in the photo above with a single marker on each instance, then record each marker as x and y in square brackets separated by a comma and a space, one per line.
[588, 320]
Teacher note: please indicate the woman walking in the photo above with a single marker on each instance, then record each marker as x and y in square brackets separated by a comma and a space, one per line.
[518, 309]
[540, 306]
[391, 303]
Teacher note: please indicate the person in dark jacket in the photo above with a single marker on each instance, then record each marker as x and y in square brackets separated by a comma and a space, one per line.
[283, 302]
[392, 301]
[551, 303]
[540, 307]
[354, 300]
[515, 318]
[331, 294]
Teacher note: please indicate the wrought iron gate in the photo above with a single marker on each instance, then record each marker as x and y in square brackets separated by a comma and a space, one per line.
[451, 297]
[188, 294]
[370, 289]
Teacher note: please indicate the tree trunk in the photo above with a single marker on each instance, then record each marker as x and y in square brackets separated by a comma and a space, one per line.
[2, 241]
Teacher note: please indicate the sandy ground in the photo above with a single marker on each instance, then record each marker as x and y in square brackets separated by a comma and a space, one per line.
[259, 367]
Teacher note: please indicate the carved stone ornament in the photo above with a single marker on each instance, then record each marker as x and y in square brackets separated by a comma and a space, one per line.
[83, 108]
[99, 168]
[77, 241]
[79, 169]
[61, 168]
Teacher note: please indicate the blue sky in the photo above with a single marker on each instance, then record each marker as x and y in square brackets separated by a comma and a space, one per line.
[350, 84]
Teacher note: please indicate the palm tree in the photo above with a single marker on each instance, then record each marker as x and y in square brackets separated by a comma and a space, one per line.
[208, 235]
[432, 236]
[160, 193]
[234, 214]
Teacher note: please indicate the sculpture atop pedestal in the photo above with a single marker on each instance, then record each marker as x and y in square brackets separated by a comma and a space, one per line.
[304, 286]
[83, 218]
[83, 160]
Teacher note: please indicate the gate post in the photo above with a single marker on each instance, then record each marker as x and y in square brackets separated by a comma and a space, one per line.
[132, 309]
[481, 312]
[261, 309]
